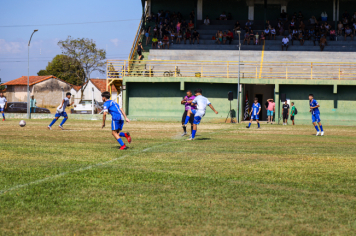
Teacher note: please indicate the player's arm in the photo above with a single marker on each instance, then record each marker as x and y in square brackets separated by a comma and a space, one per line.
[124, 114]
[183, 101]
[259, 110]
[212, 108]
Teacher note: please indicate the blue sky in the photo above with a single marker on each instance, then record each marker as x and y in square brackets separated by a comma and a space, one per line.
[115, 37]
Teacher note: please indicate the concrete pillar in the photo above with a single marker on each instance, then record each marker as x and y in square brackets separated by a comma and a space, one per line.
[200, 10]
[148, 4]
[276, 116]
[251, 12]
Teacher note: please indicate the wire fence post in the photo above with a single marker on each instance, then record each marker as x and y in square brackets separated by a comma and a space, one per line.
[286, 72]
[227, 69]
[256, 72]
[311, 70]
[339, 72]
[175, 71]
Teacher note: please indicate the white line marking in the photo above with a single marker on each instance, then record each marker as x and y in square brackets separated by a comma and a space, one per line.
[87, 168]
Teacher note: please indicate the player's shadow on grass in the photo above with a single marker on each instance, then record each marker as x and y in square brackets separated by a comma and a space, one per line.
[203, 139]
[118, 147]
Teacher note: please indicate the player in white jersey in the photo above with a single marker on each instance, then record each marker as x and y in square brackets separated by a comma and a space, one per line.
[3, 105]
[201, 102]
[61, 111]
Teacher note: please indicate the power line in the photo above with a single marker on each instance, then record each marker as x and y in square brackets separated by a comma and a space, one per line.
[83, 23]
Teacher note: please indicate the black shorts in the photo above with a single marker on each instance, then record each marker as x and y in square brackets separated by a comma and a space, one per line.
[285, 116]
[191, 119]
[139, 53]
[292, 117]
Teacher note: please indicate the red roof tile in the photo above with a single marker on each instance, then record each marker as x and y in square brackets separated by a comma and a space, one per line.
[76, 87]
[33, 80]
[101, 85]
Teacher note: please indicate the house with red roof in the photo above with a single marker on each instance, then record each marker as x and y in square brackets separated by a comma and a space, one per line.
[48, 90]
[96, 87]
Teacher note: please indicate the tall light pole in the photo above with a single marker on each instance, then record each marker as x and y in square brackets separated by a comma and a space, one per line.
[28, 78]
[238, 82]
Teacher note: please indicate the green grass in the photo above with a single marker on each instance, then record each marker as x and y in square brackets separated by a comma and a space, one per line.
[280, 180]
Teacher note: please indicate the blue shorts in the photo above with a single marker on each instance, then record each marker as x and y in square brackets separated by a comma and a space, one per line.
[269, 113]
[255, 117]
[197, 119]
[117, 124]
[316, 118]
[2, 109]
[64, 114]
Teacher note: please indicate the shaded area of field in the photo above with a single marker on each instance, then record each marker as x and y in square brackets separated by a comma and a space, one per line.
[277, 180]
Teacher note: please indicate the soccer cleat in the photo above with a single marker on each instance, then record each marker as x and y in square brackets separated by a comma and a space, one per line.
[322, 133]
[3, 119]
[61, 127]
[123, 147]
[190, 139]
[184, 134]
[258, 127]
[247, 127]
[49, 127]
[128, 137]
[317, 133]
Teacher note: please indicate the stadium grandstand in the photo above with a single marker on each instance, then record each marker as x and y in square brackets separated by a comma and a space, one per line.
[195, 44]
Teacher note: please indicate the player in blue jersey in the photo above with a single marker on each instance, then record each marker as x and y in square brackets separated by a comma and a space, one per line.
[314, 109]
[3, 105]
[61, 111]
[118, 116]
[255, 113]
[201, 103]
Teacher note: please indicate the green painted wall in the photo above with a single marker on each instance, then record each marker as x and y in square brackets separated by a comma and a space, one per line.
[182, 6]
[163, 99]
[310, 8]
[213, 8]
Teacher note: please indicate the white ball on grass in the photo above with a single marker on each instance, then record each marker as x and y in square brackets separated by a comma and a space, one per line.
[22, 123]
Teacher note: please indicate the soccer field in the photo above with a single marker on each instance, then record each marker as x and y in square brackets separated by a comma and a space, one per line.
[279, 180]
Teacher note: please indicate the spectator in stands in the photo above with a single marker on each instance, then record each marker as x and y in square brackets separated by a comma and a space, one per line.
[263, 38]
[354, 26]
[178, 26]
[285, 42]
[313, 21]
[322, 43]
[237, 27]
[191, 25]
[248, 25]
[184, 26]
[223, 16]
[295, 34]
[224, 37]
[340, 28]
[283, 16]
[268, 25]
[246, 37]
[294, 16]
[317, 38]
[155, 30]
[252, 37]
[165, 41]
[154, 42]
[300, 17]
[332, 34]
[229, 36]
[139, 51]
[327, 27]
[188, 36]
[273, 33]
[302, 25]
[257, 38]
[173, 35]
[220, 36]
[353, 17]
[345, 22]
[345, 15]
[290, 37]
[291, 25]
[280, 28]
[267, 33]
[179, 36]
[195, 36]
[192, 16]
[148, 35]
[301, 38]
[207, 21]
[217, 37]
[348, 33]
[310, 34]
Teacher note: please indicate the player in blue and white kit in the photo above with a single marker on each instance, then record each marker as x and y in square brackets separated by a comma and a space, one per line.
[255, 113]
[61, 111]
[201, 102]
[3, 105]
[314, 109]
[118, 116]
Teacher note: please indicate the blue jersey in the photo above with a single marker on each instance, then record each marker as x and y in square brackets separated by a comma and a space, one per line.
[114, 109]
[255, 108]
[314, 103]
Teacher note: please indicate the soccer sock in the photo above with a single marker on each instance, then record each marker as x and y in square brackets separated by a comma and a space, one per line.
[193, 133]
[249, 124]
[185, 129]
[53, 121]
[317, 129]
[321, 128]
[258, 125]
[121, 142]
[63, 121]
[122, 134]
[186, 120]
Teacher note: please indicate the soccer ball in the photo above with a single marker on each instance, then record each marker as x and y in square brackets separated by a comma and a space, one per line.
[22, 123]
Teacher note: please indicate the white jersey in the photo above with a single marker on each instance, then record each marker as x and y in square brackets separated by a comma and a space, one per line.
[2, 102]
[65, 104]
[202, 102]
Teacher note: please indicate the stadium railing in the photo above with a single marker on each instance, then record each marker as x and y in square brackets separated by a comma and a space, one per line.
[118, 69]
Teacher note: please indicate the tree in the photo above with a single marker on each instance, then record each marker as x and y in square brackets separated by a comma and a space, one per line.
[86, 53]
[2, 87]
[64, 68]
